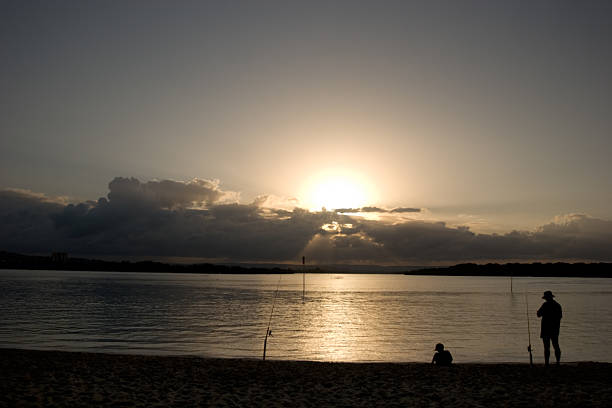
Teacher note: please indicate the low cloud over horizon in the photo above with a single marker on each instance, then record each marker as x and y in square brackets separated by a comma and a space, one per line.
[377, 210]
[199, 219]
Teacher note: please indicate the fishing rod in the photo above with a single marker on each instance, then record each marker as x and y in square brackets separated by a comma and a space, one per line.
[268, 331]
[303, 278]
[528, 332]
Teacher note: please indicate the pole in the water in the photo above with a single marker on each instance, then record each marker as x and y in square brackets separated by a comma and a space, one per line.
[510, 283]
[303, 278]
[528, 332]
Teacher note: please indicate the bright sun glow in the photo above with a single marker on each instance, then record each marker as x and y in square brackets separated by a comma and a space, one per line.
[334, 191]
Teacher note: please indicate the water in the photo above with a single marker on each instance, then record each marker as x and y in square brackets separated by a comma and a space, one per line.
[343, 318]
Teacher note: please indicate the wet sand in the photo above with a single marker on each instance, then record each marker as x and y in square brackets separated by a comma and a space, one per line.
[51, 378]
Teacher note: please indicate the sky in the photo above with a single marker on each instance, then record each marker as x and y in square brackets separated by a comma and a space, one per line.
[431, 132]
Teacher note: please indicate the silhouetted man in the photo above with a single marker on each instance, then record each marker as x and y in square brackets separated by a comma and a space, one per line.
[551, 315]
[442, 357]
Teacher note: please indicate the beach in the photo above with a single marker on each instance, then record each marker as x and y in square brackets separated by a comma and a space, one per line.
[53, 378]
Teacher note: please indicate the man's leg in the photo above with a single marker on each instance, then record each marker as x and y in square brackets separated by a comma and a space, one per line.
[546, 341]
[555, 343]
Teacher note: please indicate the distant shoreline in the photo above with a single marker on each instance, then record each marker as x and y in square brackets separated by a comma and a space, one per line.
[54, 378]
[535, 269]
[9, 260]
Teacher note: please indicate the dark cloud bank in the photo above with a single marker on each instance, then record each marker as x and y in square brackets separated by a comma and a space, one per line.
[194, 219]
[377, 210]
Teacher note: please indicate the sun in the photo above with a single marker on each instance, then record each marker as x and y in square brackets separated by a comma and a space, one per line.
[337, 190]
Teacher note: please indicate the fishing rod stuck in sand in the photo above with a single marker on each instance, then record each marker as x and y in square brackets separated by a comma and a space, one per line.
[268, 331]
[528, 331]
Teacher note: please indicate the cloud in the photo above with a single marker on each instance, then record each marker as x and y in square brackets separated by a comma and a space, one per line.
[159, 218]
[168, 193]
[347, 210]
[272, 201]
[198, 219]
[22, 197]
[372, 209]
[343, 248]
[26, 220]
[405, 210]
[579, 237]
[377, 210]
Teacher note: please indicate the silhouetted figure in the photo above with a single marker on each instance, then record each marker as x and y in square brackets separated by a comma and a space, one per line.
[551, 315]
[442, 357]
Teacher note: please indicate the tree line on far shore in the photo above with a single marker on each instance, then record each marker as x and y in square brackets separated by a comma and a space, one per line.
[61, 261]
[535, 269]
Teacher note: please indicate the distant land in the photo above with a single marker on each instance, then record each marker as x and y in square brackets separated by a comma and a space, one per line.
[535, 269]
[61, 261]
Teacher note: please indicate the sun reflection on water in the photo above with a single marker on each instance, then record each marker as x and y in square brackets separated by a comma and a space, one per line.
[347, 317]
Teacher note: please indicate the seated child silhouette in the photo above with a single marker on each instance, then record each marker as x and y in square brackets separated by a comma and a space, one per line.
[442, 357]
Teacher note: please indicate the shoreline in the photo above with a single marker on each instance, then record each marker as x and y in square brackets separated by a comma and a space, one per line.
[258, 271]
[60, 261]
[59, 378]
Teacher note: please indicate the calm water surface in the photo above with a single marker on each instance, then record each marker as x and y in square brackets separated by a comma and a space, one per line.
[360, 317]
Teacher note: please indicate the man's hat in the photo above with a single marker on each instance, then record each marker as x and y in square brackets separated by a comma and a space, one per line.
[548, 295]
[439, 347]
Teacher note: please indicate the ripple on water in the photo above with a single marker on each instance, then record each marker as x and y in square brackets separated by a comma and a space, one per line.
[344, 317]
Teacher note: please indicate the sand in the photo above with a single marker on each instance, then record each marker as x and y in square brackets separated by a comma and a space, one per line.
[51, 378]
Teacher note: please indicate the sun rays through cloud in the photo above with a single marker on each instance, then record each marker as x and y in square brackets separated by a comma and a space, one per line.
[198, 218]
